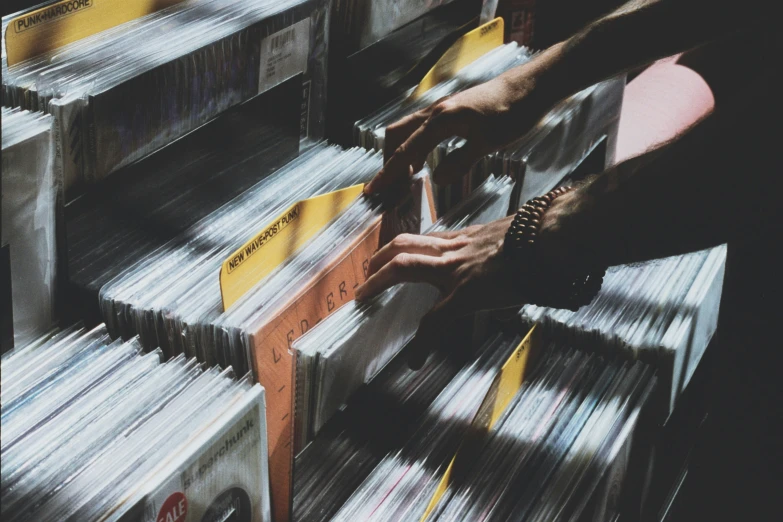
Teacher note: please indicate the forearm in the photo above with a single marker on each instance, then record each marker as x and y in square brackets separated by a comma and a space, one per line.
[637, 33]
[717, 183]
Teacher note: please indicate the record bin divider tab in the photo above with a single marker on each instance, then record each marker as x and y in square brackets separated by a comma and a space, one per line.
[467, 49]
[61, 23]
[503, 389]
[284, 235]
[274, 361]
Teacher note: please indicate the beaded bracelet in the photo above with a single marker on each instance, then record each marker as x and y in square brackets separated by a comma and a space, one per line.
[547, 286]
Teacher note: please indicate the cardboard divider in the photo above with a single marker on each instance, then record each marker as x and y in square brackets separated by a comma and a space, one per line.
[61, 23]
[290, 231]
[274, 361]
[463, 52]
[507, 383]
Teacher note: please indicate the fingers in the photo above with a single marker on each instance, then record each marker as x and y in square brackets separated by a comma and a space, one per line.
[434, 324]
[458, 163]
[397, 133]
[414, 150]
[407, 243]
[404, 268]
[446, 234]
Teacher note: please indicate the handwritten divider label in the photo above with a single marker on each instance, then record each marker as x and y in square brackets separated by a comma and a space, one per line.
[59, 24]
[274, 363]
[286, 234]
[506, 384]
[469, 47]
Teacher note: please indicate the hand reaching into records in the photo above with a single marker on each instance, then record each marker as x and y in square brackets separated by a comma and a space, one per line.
[466, 265]
[496, 113]
[489, 116]
[627, 214]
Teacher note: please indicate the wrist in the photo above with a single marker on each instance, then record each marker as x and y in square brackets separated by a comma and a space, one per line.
[554, 79]
[565, 232]
[535, 87]
[550, 269]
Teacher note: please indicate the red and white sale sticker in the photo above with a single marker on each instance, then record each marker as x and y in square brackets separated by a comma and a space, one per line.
[174, 509]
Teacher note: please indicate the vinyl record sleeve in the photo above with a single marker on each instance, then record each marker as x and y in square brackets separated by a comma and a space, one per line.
[221, 469]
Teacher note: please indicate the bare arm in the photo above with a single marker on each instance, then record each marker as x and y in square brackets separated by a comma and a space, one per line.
[718, 182]
[494, 114]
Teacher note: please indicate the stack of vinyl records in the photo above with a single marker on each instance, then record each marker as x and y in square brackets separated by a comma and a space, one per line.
[405, 55]
[242, 284]
[362, 23]
[663, 312]
[94, 430]
[29, 220]
[551, 449]
[138, 210]
[369, 132]
[546, 458]
[366, 73]
[172, 297]
[539, 160]
[351, 346]
[121, 94]
[233, 331]
[352, 444]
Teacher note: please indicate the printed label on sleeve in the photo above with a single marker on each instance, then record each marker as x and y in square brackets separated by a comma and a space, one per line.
[61, 23]
[233, 505]
[174, 509]
[283, 55]
[281, 238]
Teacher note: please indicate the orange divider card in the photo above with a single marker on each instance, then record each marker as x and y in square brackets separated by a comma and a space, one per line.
[274, 362]
[464, 51]
[61, 23]
[504, 387]
[286, 234]
[271, 356]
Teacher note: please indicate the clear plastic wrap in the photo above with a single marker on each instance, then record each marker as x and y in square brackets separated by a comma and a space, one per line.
[541, 461]
[369, 132]
[122, 94]
[362, 23]
[413, 470]
[171, 297]
[29, 220]
[351, 346]
[143, 206]
[537, 162]
[663, 312]
[121, 436]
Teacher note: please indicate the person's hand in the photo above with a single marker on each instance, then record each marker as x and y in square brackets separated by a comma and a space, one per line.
[467, 266]
[489, 116]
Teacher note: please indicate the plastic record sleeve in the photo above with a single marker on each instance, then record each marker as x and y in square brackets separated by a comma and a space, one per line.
[96, 430]
[352, 345]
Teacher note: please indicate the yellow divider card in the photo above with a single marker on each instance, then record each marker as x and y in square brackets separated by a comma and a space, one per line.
[62, 23]
[466, 50]
[504, 387]
[257, 258]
